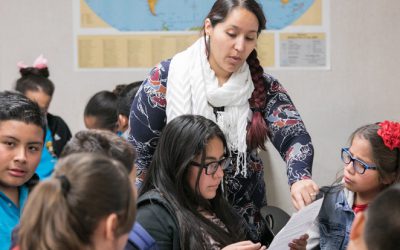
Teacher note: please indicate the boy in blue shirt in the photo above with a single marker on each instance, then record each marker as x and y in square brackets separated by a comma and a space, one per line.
[21, 141]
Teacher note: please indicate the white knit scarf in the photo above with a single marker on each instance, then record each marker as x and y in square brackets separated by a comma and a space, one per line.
[193, 89]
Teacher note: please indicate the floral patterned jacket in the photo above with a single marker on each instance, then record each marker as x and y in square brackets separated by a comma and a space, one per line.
[246, 193]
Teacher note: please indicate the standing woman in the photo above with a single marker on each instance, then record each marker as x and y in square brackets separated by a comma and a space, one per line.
[220, 77]
[35, 84]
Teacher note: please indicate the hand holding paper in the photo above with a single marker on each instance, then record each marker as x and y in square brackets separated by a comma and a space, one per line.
[297, 226]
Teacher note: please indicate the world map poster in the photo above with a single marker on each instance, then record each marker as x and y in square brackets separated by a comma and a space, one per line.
[140, 33]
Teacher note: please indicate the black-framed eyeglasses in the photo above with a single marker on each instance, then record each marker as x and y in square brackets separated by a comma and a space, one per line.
[358, 165]
[212, 167]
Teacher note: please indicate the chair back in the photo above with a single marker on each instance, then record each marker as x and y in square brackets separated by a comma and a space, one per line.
[275, 217]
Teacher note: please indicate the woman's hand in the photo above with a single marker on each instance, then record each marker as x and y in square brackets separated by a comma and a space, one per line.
[303, 193]
[300, 243]
[245, 245]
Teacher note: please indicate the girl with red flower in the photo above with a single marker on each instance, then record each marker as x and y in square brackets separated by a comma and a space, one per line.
[372, 163]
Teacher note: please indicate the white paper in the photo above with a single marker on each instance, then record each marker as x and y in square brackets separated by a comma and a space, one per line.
[298, 225]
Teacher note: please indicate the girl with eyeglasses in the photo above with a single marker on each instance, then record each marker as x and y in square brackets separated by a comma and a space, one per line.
[181, 202]
[220, 77]
[372, 163]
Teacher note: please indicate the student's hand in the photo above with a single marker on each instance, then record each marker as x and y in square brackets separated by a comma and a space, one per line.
[245, 245]
[300, 243]
[303, 192]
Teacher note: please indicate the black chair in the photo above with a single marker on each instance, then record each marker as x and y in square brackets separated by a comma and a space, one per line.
[275, 217]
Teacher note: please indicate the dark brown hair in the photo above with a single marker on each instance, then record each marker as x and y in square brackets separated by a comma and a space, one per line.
[257, 129]
[104, 107]
[34, 79]
[387, 160]
[384, 213]
[183, 139]
[102, 142]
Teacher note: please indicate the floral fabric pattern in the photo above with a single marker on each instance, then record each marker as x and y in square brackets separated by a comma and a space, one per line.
[247, 194]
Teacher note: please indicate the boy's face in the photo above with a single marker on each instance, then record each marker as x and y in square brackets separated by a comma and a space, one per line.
[20, 150]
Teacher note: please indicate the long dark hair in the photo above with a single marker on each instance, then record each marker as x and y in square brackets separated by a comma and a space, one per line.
[257, 129]
[184, 138]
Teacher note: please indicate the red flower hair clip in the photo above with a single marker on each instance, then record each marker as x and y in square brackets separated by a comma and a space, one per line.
[390, 133]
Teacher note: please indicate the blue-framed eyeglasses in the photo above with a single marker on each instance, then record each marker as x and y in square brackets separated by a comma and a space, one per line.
[358, 165]
[212, 167]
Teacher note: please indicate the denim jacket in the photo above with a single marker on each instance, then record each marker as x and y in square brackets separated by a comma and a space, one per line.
[331, 230]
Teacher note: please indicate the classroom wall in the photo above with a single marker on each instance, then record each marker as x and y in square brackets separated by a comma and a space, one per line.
[361, 87]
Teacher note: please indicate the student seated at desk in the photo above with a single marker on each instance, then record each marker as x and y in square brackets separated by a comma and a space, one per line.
[181, 203]
[22, 129]
[378, 228]
[35, 84]
[108, 110]
[87, 204]
[371, 165]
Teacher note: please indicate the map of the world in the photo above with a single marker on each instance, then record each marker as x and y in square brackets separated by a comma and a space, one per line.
[183, 15]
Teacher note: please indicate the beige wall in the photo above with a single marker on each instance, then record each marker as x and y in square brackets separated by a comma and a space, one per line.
[361, 87]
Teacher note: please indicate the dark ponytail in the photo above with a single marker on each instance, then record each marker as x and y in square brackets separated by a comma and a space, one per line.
[64, 211]
[257, 129]
[43, 72]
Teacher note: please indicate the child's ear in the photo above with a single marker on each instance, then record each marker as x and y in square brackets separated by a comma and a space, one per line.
[123, 123]
[388, 180]
[111, 226]
[357, 229]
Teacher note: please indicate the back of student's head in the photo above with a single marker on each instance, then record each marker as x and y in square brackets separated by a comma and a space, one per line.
[125, 94]
[382, 228]
[102, 108]
[103, 142]
[15, 106]
[385, 157]
[64, 212]
[35, 78]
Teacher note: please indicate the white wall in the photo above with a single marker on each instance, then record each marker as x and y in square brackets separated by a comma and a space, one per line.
[361, 87]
